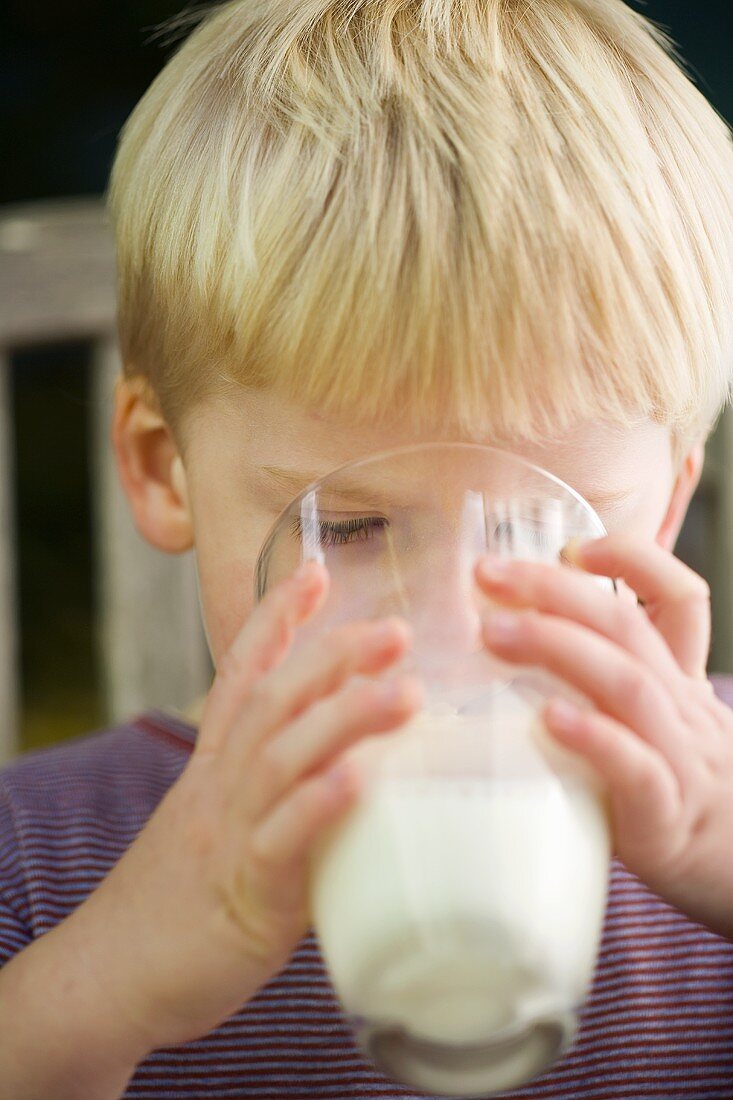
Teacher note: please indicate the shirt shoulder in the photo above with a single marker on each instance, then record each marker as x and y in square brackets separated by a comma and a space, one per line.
[68, 813]
[723, 686]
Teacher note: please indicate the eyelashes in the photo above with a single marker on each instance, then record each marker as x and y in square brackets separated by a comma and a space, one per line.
[362, 528]
[334, 533]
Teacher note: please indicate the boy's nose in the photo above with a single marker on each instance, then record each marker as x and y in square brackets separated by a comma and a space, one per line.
[444, 603]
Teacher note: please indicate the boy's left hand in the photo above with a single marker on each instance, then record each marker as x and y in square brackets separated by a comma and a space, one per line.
[660, 737]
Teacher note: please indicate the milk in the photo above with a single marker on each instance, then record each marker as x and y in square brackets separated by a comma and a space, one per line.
[461, 899]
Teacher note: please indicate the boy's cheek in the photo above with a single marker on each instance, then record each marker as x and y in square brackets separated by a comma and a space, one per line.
[227, 599]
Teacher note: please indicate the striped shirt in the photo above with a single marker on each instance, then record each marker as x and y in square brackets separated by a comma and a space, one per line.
[658, 1021]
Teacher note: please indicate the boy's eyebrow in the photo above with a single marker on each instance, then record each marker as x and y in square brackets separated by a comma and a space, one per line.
[291, 479]
[614, 496]
[294, 481]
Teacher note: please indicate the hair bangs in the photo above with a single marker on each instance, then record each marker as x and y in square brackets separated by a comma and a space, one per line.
[481, 217]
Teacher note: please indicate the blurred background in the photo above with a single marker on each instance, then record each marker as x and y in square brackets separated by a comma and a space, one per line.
[69, 76]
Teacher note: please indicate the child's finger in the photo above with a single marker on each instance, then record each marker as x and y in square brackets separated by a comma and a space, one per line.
[318, 669]
[619, 684]
[572, 593]
[676, 599]
[288, 833]
[645, 792]
[260, 645]
[327, 728]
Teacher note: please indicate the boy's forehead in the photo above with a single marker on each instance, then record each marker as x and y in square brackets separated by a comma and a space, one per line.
[605, 446]
[602, 483]
[270, 409]
[589, 435]
[598, 458]
[347, 488]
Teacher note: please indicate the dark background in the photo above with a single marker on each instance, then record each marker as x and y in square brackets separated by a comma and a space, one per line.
[69, 76]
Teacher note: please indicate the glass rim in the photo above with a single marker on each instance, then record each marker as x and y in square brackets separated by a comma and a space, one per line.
[406, 448]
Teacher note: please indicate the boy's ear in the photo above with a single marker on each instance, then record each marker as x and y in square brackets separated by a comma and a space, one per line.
[679, 501]
[151, 470]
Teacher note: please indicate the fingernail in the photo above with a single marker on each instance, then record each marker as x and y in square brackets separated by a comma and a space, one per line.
[391, 691]
[573, 549]
[305, 572]
[497, 570]
[389, 630]
[564, 713]
[501, 626]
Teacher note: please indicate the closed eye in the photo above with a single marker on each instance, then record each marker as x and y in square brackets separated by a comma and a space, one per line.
[338, 532]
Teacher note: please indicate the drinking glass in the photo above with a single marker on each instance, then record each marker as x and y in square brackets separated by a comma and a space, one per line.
[459, 902]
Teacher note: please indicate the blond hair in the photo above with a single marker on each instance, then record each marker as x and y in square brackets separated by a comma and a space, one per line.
[485, 214]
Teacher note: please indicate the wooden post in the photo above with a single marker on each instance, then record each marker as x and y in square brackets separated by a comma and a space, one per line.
[9, 688]
[721, 553]
[153, 646]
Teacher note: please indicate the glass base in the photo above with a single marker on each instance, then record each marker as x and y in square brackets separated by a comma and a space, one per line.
[509, 1059]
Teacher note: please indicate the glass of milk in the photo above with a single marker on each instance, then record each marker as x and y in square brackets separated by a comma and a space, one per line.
[459, 903]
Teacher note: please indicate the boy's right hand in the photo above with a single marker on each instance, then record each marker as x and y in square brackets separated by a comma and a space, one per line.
[210, 900]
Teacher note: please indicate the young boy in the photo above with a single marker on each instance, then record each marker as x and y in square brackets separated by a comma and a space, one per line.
[343, 228]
